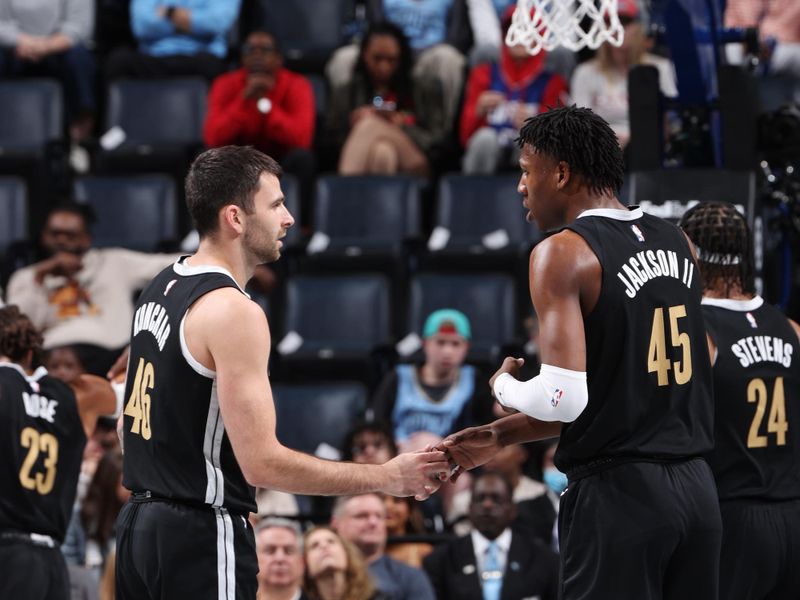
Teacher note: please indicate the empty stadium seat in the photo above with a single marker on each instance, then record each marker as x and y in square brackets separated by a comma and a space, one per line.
[291, 193]
[152, 125]
[358, 215]
[312, 414]
[345, 316]
[136, 212]
[14, 208]
[32, 115]
[488, 300]
[480, 222]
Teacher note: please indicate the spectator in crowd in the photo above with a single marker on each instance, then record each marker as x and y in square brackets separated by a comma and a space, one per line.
[778, 23]
[178, 37]
[48, 38]
[369, 442]
[404, 518]
[279, 546]
[493, 561]
[361, 520]
[535, 514]
[499, 97]
[384, 122]
[82, 295]
[602, 83]
[100, 508]
[64, 363]
[438, 32]
[335, 569]
[443, 394]
[266, 106]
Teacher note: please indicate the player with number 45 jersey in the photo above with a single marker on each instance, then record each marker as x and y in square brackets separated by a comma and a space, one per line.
[756, 460]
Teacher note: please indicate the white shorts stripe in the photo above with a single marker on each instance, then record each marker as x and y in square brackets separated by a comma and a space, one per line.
[230, 562]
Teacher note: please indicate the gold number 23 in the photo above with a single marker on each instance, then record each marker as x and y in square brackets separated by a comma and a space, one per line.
[37, 442]
[138, 405]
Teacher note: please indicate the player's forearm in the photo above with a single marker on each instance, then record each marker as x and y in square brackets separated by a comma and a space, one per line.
[297, 473]
[520, 428]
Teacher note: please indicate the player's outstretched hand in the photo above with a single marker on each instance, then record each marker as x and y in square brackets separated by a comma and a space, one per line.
[470, 448]
[417, 474]
[511, 366]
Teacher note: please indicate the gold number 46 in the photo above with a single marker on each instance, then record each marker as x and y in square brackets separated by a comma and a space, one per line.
[37, 442]
[757, 392]
[138, 405]
[657, 355]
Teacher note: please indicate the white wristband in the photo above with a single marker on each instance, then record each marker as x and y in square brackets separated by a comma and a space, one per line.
[555, 394]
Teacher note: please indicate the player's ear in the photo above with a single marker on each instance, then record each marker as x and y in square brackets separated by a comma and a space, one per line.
[563, 174]
[231, 218]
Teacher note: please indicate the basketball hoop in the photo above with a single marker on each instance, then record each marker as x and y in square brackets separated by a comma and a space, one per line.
[544, 24]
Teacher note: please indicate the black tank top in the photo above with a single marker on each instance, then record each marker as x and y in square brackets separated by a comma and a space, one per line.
[40, 452]
[757, 387]
[176, 446]
[648, 373]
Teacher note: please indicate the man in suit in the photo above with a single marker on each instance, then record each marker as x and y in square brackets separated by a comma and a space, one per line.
[493, 562]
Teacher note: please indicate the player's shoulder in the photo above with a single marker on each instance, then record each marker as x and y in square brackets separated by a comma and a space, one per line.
[561, 249]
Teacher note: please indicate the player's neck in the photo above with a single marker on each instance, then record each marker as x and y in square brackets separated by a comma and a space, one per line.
[582, 202]
[24, 365]
[230, 257]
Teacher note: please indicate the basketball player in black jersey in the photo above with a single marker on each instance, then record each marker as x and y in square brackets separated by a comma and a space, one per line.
[754, 350]
[199, 421]
[44, 425]
[625, 378]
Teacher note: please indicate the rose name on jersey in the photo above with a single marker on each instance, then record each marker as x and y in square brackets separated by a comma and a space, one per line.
[152, 317]
[648, 265]
[39, 407]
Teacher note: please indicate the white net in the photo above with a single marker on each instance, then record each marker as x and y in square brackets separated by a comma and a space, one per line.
[544, 24]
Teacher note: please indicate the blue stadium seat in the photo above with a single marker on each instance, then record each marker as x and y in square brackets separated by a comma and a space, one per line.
[367, 214]
[136, 212]
[14, 208]
[487, 299]
[470, 207]
[291, 193]
[157, 112]
[312, 414]
[32, 115]
[337, 317]
[308, 30]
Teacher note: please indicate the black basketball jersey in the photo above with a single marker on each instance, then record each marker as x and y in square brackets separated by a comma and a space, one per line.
[176, 446]
[41, 449]
[757, 387]
[648, 373]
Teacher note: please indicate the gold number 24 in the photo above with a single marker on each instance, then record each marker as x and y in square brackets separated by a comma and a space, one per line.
[657, 361]
[138, 405]
[757, 392]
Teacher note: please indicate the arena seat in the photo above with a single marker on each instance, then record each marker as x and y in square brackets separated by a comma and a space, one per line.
[32, 115]
[14, 208]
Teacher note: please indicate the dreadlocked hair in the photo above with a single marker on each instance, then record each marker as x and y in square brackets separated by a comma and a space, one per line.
[724, 246]
[583, 140]
[18, 336]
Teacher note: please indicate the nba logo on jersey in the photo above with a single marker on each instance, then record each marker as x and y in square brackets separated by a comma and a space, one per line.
[752, 320]
[638, 233]
[556, 397]
[169, 286]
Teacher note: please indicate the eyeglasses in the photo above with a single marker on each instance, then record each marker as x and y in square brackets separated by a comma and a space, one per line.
[258, 48]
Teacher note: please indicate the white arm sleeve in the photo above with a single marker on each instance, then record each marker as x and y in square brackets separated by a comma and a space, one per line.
[555, 394]
[119, 392]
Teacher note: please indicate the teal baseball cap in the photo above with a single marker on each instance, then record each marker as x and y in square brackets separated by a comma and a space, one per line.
[447, 320]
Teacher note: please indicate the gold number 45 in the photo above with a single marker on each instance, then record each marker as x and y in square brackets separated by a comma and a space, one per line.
[657, 360]
[138, 405]
[757, 392]
[37, 442]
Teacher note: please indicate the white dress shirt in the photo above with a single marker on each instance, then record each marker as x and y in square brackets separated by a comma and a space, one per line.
[480, 545]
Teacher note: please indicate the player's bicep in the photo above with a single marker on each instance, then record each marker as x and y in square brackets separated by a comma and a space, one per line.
[555, 293]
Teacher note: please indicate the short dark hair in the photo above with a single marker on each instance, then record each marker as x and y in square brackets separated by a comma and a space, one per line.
[485, 474]
[80, 209]
[222, 176]
[18, 336]
[724, 246]
[583, 140]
